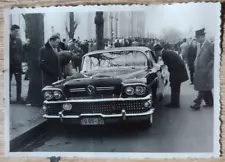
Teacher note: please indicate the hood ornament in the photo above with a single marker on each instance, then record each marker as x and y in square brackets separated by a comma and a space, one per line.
[90, 89]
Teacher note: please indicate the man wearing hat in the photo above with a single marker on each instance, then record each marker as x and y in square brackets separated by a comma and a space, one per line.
[203, 76]
[177, 70]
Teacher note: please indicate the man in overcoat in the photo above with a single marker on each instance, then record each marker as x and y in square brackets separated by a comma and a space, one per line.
[49, 61]
[177, 70]
[203, 76]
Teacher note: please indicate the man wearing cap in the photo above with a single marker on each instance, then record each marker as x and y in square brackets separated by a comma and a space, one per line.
[177, 70]
[203, 76]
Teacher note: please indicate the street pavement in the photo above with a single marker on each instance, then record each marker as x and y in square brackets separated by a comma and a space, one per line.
[174, 130]
[22, 117]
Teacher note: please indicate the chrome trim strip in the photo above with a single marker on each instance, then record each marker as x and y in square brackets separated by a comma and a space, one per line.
[97, 88]
[77, 90]
[134, 84]
[104, 88]
[99, 100]
[61, 116]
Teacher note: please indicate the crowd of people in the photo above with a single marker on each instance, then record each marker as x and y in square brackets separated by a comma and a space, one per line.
[59, 58]
[198, 55]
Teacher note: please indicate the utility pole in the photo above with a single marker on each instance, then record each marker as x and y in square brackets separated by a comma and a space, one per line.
[116, 18]
[132, 24]
[111, 21]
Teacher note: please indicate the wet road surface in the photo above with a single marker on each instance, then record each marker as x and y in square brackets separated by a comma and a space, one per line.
[174, 130]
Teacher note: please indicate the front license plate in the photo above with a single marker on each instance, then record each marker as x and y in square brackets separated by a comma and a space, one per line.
[92, 121]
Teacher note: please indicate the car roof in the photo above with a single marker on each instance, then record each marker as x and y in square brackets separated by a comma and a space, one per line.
[137, 48]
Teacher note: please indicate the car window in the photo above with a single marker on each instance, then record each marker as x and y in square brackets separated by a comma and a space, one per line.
[115, 59]
[151, 57]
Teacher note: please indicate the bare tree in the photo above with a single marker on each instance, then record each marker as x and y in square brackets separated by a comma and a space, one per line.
[72, 26]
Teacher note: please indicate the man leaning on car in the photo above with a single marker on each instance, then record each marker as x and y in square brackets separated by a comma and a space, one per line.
[177, 70]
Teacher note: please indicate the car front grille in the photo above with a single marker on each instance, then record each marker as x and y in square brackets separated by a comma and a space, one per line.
[106, 108]
[100, 92]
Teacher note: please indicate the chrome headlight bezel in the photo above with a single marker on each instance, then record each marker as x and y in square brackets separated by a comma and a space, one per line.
[141, 91]
[131, 89]
[57, 94]
[52, 94]
[48, 95]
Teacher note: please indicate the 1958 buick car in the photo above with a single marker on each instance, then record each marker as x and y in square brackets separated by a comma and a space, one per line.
[114, 85]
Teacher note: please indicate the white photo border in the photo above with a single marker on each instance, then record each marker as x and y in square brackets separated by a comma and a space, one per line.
[81, 8]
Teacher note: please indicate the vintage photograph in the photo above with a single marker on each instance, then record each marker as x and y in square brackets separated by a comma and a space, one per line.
[138, 79]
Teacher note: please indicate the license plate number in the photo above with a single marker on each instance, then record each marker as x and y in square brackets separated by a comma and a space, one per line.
[92, 121]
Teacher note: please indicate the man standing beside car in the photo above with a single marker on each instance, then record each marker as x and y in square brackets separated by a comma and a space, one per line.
[49, 61]
[177, 70]
[16, 50]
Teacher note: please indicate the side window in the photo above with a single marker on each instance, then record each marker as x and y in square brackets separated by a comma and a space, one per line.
[151, 57]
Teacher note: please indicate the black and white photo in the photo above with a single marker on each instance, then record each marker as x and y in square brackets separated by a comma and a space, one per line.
[121, 81]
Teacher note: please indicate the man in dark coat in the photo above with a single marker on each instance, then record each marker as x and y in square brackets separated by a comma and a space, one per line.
[117, 44]
[203, 76]
[49, 61]
[16, 50]
[191, 55]
[177, 70]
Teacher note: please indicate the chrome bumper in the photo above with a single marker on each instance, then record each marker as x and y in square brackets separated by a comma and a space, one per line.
[148, 97]
[123, 115]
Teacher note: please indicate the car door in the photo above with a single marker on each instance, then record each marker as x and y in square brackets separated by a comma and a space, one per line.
[161, 72]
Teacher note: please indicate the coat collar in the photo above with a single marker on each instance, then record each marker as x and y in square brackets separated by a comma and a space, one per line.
[48, 46]
[205, 43]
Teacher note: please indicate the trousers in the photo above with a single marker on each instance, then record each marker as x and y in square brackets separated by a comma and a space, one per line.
[207, 96]
[175, 93]
[16, 70]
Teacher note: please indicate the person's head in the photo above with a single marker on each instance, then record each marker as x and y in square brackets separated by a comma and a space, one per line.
[194, 42]
[184, 40]
[15, 30]
[158, 49]
[54, 41]
[200, 35]
[28, 40]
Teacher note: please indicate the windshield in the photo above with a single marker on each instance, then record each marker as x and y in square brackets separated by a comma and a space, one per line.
[114, 59]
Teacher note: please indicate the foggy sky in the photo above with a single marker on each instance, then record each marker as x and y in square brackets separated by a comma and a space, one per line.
[184, 17]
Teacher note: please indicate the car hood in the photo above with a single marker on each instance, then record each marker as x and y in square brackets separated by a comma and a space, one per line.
[124, 74]
[106, 77]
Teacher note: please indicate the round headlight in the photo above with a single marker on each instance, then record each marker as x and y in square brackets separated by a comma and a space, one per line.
[57, 94]
[67, 106]
[129, 90]
[48, 95]
[140, 90]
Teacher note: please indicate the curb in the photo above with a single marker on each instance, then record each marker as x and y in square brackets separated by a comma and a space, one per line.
[21, 140]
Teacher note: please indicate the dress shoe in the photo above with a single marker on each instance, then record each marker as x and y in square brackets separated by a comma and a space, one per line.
[195, 107]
